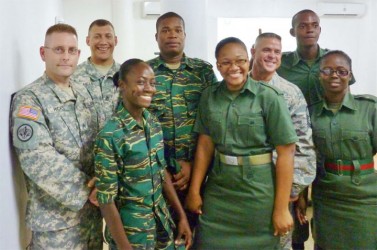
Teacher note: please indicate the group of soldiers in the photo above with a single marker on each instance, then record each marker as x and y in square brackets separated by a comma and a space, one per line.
[55, 121]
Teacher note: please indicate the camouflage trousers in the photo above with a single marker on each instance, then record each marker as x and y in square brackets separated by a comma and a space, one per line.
[85, 236]
[158, 238]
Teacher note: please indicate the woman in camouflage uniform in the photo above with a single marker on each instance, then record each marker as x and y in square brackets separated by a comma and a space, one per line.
[345, 133]
[130, 168]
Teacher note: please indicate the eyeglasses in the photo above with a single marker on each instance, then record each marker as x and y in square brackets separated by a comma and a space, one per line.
[238, 62]
[339, 72]
[61, 50]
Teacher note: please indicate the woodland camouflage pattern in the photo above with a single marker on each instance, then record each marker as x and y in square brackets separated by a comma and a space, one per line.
[175, 103]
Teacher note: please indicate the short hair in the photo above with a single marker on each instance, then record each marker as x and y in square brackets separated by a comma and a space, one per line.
[338, 53]
[61, 28]
[169, 15]
[302, 12]
[226, 41]
[124, 69]
[100, 23]
[267, 35]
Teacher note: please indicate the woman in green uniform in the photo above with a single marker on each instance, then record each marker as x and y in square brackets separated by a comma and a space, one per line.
[240, 121]
[130, 168]
[345, 134]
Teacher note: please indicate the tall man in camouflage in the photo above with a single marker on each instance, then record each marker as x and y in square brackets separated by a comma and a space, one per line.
[52, 121]
[96, 73]
[180, 83]
[266, 53]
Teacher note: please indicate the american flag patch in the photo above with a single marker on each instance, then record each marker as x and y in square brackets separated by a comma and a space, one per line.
[28, 112]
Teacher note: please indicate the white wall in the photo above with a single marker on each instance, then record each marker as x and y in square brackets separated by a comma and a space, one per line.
[22, 29]
[23, 24]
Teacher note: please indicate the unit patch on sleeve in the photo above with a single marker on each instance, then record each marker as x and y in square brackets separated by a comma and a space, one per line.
[24, 132]
[28, 112]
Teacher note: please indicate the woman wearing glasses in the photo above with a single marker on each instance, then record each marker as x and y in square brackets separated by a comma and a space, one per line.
[345, 134]
[240, 121]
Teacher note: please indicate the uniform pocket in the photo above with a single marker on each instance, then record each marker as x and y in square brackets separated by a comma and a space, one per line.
[355, 144]
[250, 128]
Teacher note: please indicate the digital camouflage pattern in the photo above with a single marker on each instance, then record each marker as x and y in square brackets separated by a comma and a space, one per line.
[305, 157]
[176, 101]
[53, 135]
[101, 88]
[129, 163]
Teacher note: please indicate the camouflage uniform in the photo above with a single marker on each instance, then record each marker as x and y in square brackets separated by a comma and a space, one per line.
[175, 104]
[130, 165]
[53, 136]
[305, 157]
[101, 87]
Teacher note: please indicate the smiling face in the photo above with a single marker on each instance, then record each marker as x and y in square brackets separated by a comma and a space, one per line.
[138, 88]
[333, 84]
[102, 41]
[306, 29]
[266, 55]
[233, 64]
[171, 37]
[60, 66]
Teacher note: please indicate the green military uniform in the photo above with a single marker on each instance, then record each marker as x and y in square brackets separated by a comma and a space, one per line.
[294, 69]
[101, 87]
[345, 190]
[175, 104]
[238, 198]
[130, 169]
[53, 135]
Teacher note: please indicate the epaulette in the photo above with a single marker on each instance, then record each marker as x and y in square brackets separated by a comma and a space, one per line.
[278, 91]
[367, 97]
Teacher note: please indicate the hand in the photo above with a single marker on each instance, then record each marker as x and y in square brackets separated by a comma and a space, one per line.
[92, 182]
[93, 197]
[184, 233]
[300, 209]
[283, 222]
[194, 203]
[181, 179]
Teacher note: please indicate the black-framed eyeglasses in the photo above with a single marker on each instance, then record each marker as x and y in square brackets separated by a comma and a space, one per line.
[61, 50]
[339, 72]
[238, 62]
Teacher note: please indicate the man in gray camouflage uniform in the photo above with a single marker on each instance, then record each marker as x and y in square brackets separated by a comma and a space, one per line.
[53, 125]
[97, 72]
[266, 54]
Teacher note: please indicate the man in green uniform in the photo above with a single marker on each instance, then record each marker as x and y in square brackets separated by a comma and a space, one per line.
[181, 81]
[301, 67]
[53, 125]
[96, 73]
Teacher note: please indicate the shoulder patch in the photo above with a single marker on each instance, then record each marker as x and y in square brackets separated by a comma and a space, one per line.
[28, 112]
[366, 97]
[25, 134]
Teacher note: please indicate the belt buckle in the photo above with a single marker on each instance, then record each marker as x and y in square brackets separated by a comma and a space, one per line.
[231, 160]
[339, 164]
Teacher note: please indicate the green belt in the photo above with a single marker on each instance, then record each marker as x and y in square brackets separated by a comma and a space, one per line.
[245, 160]
[353, 168]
